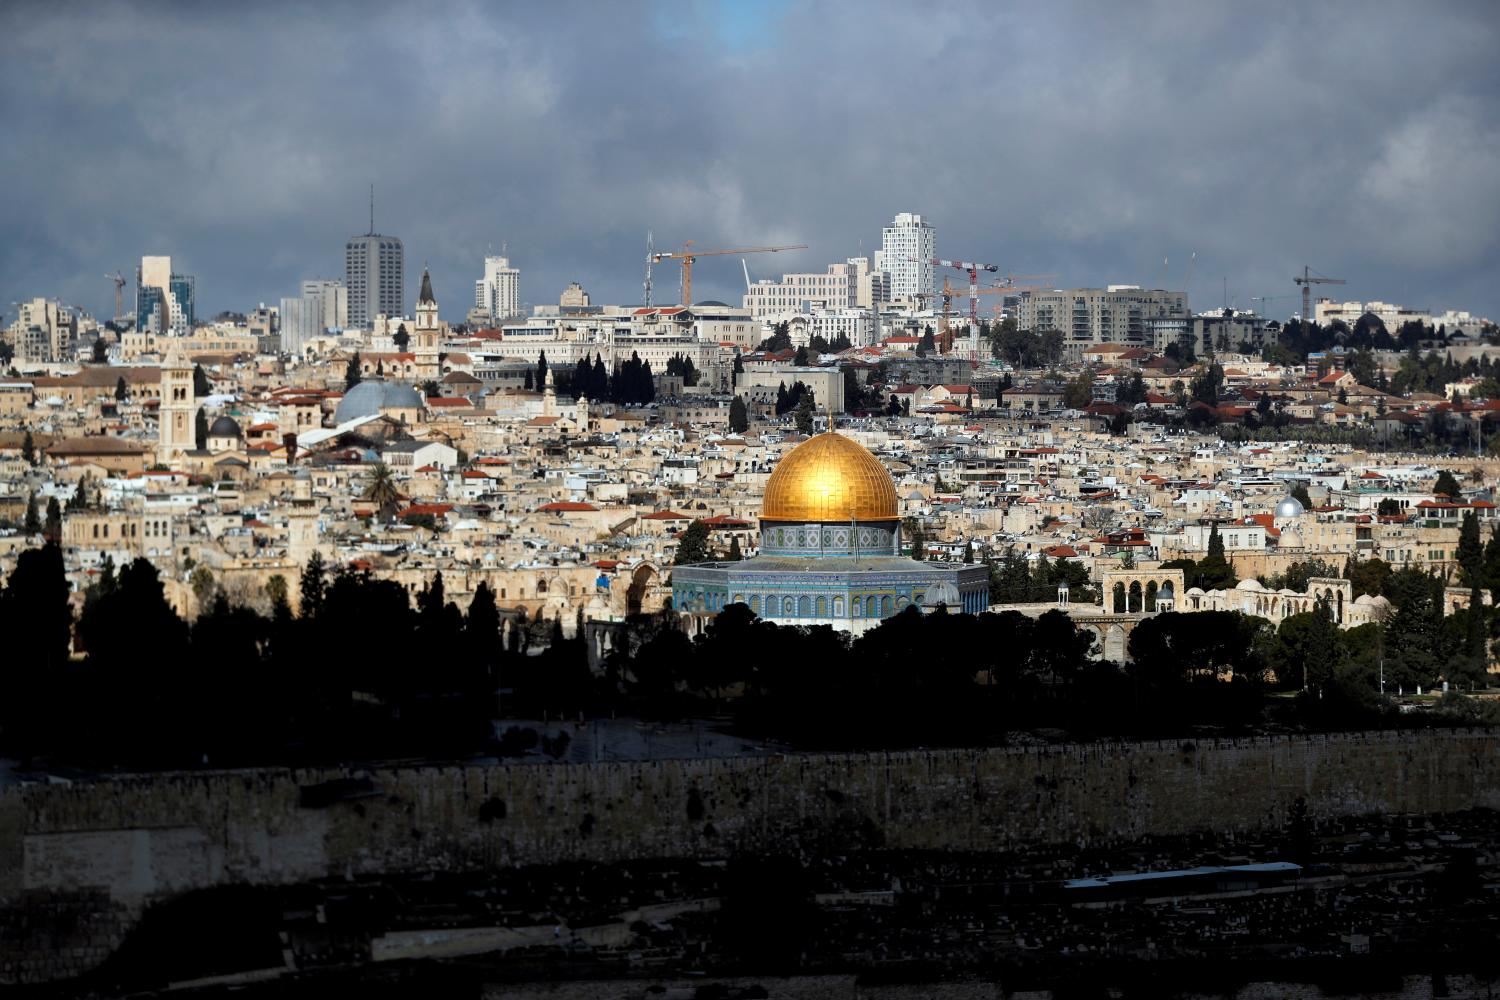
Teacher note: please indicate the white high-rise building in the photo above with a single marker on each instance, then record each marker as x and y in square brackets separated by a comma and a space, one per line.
[499, 291]
[293, 327]
[907, 247]
[323, 305]
[330, 302]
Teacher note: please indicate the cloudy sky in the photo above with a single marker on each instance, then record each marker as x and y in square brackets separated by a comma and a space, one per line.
[1089, 140]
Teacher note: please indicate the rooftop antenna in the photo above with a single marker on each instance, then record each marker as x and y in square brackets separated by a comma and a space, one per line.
[372, 209]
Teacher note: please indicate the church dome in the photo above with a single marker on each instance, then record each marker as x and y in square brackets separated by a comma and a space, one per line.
[830, 478]
[224, 427]
[1289, 506]
[370, 397]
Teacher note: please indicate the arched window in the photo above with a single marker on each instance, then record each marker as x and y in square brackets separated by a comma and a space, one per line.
[885, 606]
[822, 610]
[788, 607]
[804, 607]
[838, 607]
[755, 604]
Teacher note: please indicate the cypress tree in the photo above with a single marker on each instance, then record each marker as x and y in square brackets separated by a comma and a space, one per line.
[739, 416]
[33, 523]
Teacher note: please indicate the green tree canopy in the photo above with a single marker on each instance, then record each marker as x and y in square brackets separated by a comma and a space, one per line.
[692, 544]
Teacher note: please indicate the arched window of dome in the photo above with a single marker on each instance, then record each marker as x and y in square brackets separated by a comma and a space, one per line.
[885, 606]
[804, 607]
[755, 604]
[822, 610]
[838, 607]
[788, 607]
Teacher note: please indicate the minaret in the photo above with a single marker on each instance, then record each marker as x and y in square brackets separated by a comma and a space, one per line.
[176, 432]
[549, 396]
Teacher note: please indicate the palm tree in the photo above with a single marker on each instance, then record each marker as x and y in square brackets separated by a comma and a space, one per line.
[383, 492]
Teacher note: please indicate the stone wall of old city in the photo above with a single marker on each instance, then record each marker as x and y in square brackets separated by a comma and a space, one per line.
[79, 861]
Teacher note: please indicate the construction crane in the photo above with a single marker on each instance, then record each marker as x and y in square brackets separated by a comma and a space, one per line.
[1307, 280]
[1270, 298]
[119, 292]
[687, 255]
[945, 335]
[970, 268]
[945, 332]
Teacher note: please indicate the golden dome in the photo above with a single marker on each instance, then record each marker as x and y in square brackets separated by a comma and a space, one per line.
[830, 478]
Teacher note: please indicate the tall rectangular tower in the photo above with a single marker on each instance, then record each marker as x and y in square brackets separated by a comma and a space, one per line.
[176, 417]
[163, 300]
[375, 277]
[907, 247]
[499, 291]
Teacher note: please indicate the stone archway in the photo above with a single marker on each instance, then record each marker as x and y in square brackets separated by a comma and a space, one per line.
[645, 582]
[1140, 591]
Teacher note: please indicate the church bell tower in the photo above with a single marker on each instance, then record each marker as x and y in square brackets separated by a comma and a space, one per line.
[176, 432]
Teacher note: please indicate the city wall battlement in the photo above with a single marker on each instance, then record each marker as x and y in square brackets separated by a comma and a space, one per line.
[78, 862]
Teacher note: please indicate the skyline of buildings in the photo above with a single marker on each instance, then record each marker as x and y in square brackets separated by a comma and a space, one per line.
[854, 298]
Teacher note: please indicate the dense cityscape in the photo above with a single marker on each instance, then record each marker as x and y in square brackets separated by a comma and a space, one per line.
[905, 623]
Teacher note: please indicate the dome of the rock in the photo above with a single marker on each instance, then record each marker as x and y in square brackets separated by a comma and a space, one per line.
[830, 478]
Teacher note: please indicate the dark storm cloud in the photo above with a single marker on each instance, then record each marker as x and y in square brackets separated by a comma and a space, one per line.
[1089, 140]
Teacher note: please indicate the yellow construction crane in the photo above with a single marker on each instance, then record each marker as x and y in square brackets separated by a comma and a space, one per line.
[687, 255]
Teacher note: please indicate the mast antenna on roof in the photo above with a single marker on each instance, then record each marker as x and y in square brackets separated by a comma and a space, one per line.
[372, 209]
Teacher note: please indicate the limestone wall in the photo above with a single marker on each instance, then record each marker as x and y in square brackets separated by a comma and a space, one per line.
[136, 839]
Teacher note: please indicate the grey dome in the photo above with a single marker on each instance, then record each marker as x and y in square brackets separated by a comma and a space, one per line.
[368, 398]
[224, 427]
[945, 594]
[1289, 507]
